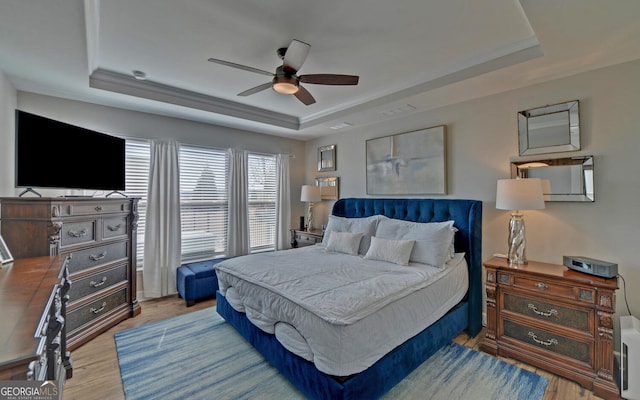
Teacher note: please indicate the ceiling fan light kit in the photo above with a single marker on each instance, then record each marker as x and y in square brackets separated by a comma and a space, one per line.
[285, 80]
[285, 83]
[285, 86]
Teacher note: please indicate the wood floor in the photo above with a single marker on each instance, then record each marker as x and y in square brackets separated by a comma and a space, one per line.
[96, 374]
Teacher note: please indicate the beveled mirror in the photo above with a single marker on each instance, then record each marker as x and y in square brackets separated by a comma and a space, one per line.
[564, 179]
[549, 129]
[329, 187]
[327, 158]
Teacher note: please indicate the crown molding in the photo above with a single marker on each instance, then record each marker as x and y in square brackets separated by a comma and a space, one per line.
[126, 84]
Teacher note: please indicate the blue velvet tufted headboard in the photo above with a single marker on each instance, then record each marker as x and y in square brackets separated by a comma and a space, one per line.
[467, 217]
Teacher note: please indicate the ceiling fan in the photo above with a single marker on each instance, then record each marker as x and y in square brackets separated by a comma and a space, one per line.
[285, 79]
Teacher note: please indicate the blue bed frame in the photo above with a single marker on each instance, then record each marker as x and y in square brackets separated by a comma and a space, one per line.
[400, 362]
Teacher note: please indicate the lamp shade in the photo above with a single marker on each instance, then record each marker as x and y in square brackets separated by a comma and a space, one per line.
[519, 194]
[310, 193]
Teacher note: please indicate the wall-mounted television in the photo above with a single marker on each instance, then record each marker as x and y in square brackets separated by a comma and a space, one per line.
[54, 154]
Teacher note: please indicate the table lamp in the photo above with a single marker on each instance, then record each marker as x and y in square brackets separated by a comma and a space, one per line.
[517, 195]
[310, 194]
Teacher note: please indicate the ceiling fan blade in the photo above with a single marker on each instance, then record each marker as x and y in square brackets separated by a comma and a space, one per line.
[329, 79]
[256, 89]
[240, 66]
[295, 55]
[304, 96]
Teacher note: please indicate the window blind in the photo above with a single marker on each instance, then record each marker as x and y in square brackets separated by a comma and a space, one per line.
[137, 159]
[262, 183]
[203, 202]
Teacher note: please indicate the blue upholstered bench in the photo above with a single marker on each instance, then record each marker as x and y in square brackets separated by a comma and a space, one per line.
[197, 280]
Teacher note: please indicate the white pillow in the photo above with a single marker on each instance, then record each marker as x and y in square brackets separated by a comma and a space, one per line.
[433, 240]
[366, 226]
[452, 248]
[395, 251]
[345, 242]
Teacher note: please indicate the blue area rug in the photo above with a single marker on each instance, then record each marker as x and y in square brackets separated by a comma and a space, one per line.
[199, 356]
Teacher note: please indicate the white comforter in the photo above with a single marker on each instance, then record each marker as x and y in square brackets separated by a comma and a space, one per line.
[340, 311]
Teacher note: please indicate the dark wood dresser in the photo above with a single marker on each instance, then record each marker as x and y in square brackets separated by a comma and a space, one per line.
[100, 236]
[32, 333]
[554, 318]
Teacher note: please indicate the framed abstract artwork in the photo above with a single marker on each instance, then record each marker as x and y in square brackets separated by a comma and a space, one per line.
[408, 163]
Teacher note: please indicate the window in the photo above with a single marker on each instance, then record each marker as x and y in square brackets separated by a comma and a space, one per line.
[203, 202]
[262, 182]
[137, 159]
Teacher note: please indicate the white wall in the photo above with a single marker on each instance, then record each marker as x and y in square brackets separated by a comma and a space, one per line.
[8, 101]
[131, 124]
[482, 139]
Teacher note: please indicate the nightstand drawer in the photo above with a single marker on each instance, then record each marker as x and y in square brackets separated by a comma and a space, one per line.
[549, 312]
[306, 238]
[549, 341]
[311, 239]
[544, 287]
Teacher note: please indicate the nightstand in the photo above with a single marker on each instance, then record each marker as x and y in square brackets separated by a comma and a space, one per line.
[554, 318]
[306, 238]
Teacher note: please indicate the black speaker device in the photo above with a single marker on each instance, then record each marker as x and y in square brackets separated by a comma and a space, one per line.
[591, 266]
[301, 223]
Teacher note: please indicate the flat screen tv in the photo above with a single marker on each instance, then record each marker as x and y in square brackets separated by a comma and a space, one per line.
[54, 154]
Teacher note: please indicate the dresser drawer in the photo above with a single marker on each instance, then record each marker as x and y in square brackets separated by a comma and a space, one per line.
[96, 256]
[78, 232]
[549, 341]
[91, 208]
[115, 227]
[97, 282]
[94, 310]
[549, 312]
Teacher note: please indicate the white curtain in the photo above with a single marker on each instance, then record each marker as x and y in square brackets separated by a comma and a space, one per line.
[238, 225]
[162, 232]
[283, 203]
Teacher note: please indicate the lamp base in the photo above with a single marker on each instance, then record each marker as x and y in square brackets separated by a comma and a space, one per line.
[517, 240]
[310, 217]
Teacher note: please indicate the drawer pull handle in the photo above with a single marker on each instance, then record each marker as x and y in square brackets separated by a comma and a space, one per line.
[114, 228]
[77, 234]
[98, 208]
[541, 286]
[94, 257]
[547, 343]
[549, 313]
[99, 283]
[98, 310]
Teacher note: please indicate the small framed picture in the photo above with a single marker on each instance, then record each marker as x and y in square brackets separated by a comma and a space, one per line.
[5, 254]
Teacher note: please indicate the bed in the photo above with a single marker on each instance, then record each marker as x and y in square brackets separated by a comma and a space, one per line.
[343, 353]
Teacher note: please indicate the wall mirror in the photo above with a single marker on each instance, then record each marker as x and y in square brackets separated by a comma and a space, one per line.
[549, 129]
[329, 187]
[327, 158]
[564, 179]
